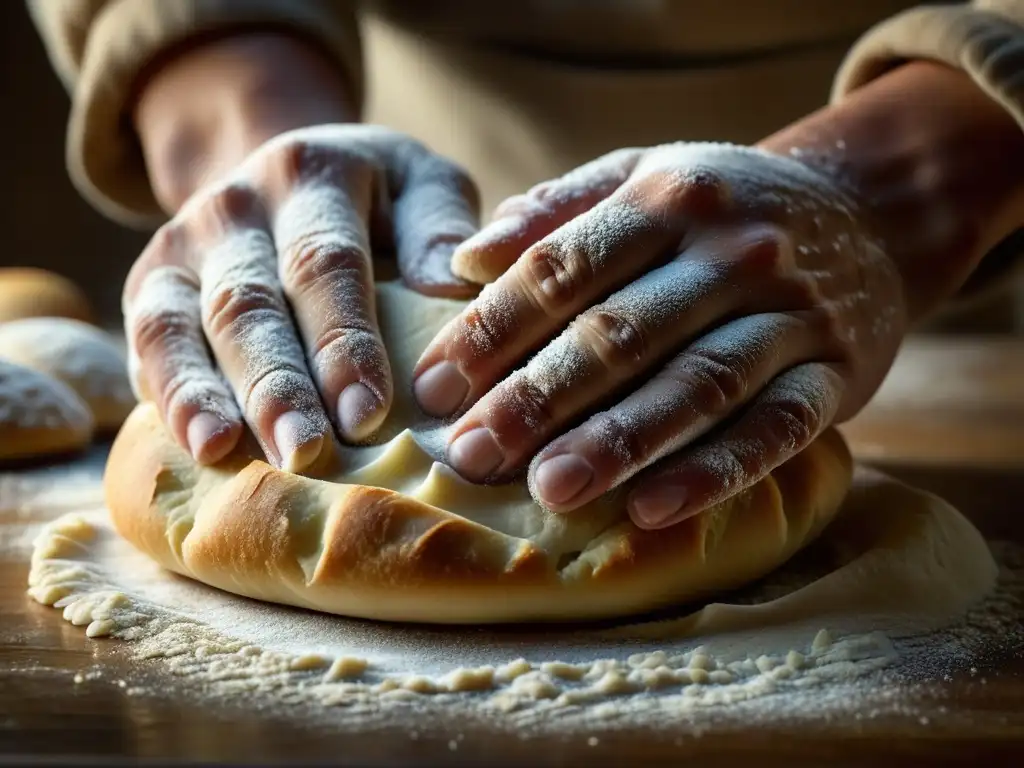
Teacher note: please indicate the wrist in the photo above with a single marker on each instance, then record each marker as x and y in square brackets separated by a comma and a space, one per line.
[203, 111]
[935, 164]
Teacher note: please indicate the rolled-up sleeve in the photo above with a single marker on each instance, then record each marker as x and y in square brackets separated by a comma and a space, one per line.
[985, 39]
[99, 48]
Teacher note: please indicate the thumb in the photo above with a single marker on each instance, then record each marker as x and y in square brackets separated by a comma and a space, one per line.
[521, 221]
[436, 208]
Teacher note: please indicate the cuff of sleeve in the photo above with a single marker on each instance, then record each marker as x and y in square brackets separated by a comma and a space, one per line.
[975, 38]
[104, 156]
[979, 41]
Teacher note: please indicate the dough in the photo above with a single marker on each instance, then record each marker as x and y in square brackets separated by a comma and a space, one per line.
[30, 292]
[389, 533]
[83, 357]
[39, 415]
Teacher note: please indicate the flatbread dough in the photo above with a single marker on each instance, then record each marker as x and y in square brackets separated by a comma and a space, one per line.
[83, 357]
[387, 532]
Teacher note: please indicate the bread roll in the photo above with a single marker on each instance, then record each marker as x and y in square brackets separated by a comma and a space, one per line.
[83, 357]
[31, 292]
[39, 416]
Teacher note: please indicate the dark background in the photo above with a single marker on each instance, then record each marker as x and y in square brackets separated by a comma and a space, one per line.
[43, 219]
[46, 223]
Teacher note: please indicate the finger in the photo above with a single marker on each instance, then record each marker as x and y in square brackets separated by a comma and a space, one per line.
[250, 329]
[692, 394]
[523, 220]
[627, 336]
[167, 352]
[778, 424]
[327, 274]
[555, 280]
[435, 209]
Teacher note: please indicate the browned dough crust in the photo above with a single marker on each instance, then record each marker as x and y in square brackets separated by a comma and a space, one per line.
[247, 528]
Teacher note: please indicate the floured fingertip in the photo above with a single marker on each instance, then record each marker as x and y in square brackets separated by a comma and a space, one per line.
[360, 412]
[298, 441]
[485, 256]
[211, 437]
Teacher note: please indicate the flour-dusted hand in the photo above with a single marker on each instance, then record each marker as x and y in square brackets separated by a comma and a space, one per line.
[712, 307]
[256, 300]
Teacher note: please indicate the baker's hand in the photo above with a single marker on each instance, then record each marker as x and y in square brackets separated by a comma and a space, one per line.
[713, 308]
[256, 300]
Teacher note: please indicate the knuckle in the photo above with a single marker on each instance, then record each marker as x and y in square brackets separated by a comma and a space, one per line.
[736, 466]
[151, 329]
[314, 257]
[628, 445]
[769, 253]
[541, 192]
[716, 385]
[795, 421]
[618, 341]
[724, 380]
[830, 327]
[350, 346]
[807, 292]
[289, 160]
[167, 240]
[555, 277]
[293, 162]
[230, 202]
[695, 191]
[186, 389]
[163, 249]
[480, 333]
[525, 402]
[279, 383]
[227, 304]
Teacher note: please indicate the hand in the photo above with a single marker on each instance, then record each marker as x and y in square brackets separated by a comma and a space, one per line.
[256, 300]
[713, 308]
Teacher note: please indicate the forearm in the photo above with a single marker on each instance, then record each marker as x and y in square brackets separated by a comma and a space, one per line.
[936, 164]
[202, 110]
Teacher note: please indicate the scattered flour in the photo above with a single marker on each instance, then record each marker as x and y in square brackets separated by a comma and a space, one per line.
[727, 660]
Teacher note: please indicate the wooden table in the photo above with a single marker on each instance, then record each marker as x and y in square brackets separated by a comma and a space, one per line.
[950, 419]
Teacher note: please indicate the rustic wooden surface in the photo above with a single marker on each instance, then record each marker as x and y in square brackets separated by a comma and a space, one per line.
[950, 419]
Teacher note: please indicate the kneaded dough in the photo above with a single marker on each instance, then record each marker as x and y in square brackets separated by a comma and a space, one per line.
[387, 532]
[39, 416]
[31, 292]
[80, 355]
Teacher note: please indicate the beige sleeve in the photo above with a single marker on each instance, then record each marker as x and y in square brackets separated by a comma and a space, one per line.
[985, 39]
[99, 47]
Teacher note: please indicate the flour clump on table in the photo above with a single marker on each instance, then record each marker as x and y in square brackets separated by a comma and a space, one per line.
[386, 531]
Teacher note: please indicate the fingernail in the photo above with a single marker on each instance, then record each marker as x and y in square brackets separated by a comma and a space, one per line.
[657, 504]
[440, 390]
[476, 454]
[360, 413]
[203, 433]
[298, 440]
[562, 478]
